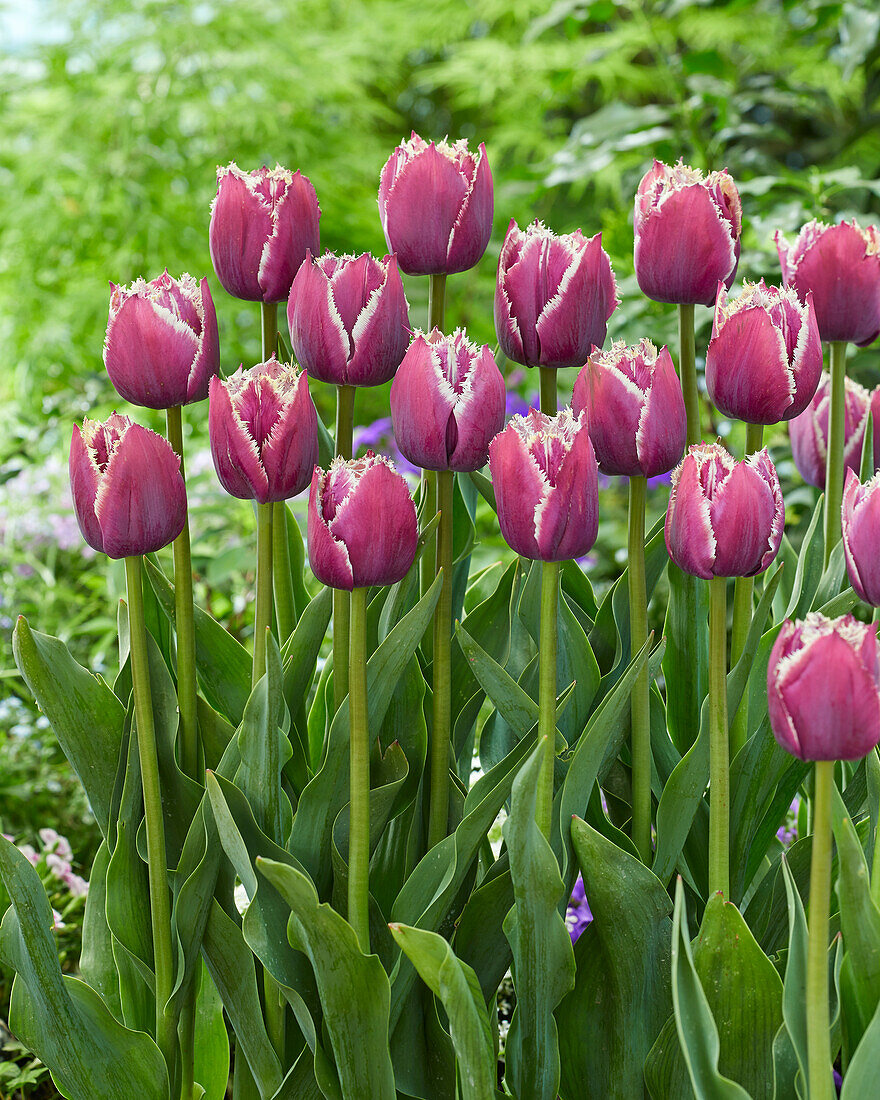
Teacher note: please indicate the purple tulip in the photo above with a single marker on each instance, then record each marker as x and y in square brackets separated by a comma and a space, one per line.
[546, 485]
[724, 518]
[436, 204]
[765, 357]
[634, 409]
[262, 225]
[823, 688]
[687, 229]
[264, 432]
[362, 526]
[162, 347]
[128, 492]
[809, 431]
[840, 264]
[447, 402]
[348, 319]
[553, 296]
[860, 522]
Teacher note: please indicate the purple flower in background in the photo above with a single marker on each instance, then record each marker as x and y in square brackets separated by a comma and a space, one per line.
[578, 914]
[787, 831]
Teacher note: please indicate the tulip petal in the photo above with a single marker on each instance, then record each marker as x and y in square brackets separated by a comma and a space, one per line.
[860, 522]
[328, 556]
[377, 523]
[520, 488]
[318, 337]
[690, 538]
[473, 226]
[479, 415]
[567, 521]
[207, 361]
[381, 331]
[148, 353]
[747, 368]
[290, 452]
[662, 432]
[421, 407]
[294, 232]
[742, 513]
[84, 481]
[575, 318]
[235, 454]
[241, 223]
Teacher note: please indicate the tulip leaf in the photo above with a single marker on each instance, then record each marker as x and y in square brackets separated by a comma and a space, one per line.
[810, 566]
[866, 465]
[860, 1079]
[621, 995]
[96, 962]
[479, 938]
[211, 1040]
[794, 992]
[62, 1020]
[686, 664]
[543, 960]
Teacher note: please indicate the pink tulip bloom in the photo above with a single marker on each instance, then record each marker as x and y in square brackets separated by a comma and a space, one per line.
[128, 492]
[264, 432]
[362, 526]
[809, 431]
[162, 347]
[860, 523]
[632, 401]
[823, 688]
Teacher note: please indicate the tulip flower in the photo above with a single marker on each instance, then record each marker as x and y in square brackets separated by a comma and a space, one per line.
[546, 485]
[264, 432]
[348, 319]
[725, 518]
[447, 402]
[362, 524]
[765, 357]
[436, 204]
[687, 229]
[128, 493]
[860, 520]
[262, 225]
[162, 347]
[633, 406]
[809, 431]
[840, 265]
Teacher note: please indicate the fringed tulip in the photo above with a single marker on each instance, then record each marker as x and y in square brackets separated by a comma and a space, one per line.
[162, 347]
[823, 688]
[128, 492]
[264, 432]
[362, 524]
[546, 485]
[262, 225]
[687, 229]
[436, 203]
[348, 319]
[724, 518]
[860, 519]
[447, 402]
[633, 406]
[765, 358]
[840, 264]
[809, 431]
[553, 296]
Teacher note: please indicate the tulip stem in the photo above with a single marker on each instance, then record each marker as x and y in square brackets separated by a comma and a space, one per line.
[436, 319]
[263, 612]
[359, 778]
[285, 612]
[341, 599]
[548, 390]
[872, 764]
[836, 439]
[687, 370]
[818, 1024]
[719, 762]
[436, 302]
[160, 907]
[743, 602]
[640, 700]
[442, 685]
[269, 329]
[547, 693]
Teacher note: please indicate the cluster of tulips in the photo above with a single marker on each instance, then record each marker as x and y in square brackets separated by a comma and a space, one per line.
[632, 415]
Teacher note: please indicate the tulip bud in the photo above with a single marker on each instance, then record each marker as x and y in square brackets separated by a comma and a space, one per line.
[840, 264]
[632, 401]
[128, 492]
[687, 229]
[546, 485]
[553, 296]
[436, 204]
[348, 319]
[447, 402]
[809, 431]
[362, 526]
[765, 357]
[724, 518]
[823, 688]
[860, 522]
[162, 347]
[264, 432]
[262, 225]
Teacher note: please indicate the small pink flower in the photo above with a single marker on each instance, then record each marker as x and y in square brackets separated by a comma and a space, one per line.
[54, 842]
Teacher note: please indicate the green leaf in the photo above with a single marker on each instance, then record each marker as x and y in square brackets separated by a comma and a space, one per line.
[794, 992]
[810, 566]
[96, 960]
[301, 650]
[860, 1079]
[686, 664]
[456, 985]
[211, 1041]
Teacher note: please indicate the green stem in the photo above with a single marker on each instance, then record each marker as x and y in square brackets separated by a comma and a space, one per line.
[719, 762]
[819, 1077]
[263, 612]
[359, 776]
[341, 599]
[269, 329]
[875, 863]
[282, 582]
[160, 907]
[436, 302]
[743, 593]
[547, 693]
[442, 685]
[436, 319]
[640, 700]
[274, 1011]
[687, 370]
[836, 439]
[548, 390]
